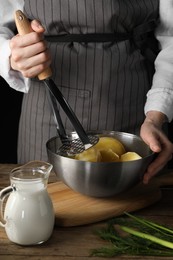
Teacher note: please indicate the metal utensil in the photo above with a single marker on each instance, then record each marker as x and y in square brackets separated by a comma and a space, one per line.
[73, 146]
[60, 127]
[84, 141]
[65, 139]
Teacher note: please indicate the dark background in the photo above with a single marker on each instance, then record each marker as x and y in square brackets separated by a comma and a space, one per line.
[170, 135]
[10, 105]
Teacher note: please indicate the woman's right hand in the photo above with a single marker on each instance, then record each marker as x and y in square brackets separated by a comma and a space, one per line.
[29, 53]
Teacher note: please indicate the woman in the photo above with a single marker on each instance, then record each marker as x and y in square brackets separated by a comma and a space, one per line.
[105, 76]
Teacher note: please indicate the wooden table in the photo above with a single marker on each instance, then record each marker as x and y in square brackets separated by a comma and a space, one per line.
[76, 242]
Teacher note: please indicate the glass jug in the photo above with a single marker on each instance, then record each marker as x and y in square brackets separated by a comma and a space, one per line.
[28, 215]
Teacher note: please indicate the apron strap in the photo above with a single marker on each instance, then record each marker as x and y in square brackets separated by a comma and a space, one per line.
[142, 37]
[89, 37]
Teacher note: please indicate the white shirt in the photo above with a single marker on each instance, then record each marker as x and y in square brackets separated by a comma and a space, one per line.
[159, 97]
[13, 78]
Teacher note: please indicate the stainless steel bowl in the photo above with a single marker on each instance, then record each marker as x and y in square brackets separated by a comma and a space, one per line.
[101, 179]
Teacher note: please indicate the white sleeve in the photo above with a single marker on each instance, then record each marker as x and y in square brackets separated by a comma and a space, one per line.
[160, 96]
[7, 27]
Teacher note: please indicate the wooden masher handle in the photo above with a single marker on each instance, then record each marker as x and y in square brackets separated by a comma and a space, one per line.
[24, 27]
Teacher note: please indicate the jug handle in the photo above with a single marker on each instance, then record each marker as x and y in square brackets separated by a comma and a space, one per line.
[3, 194]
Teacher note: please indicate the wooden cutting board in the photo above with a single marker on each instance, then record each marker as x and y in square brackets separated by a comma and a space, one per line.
[74, 209]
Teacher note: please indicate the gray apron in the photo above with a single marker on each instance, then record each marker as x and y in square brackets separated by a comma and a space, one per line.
[105, 82]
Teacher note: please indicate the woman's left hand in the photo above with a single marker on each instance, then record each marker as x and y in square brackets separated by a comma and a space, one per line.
[153, 135]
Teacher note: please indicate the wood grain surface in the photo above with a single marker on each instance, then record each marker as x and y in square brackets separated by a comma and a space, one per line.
[73, 209]
[75, 243]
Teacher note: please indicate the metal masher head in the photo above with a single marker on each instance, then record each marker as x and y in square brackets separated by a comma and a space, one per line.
[75, 146]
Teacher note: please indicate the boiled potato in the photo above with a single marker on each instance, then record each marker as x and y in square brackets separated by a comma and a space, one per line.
[108, 149]
[129, 156]
[109, 156]
[106, 143]
[90, 155]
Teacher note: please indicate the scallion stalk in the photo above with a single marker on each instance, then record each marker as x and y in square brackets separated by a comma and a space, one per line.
[154, 239]
[143, 237]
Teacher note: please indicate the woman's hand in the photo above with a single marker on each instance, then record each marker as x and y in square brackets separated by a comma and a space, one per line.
[29, 53]
[152, 134]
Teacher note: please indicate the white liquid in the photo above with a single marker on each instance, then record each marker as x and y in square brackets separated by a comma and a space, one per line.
[29, 214]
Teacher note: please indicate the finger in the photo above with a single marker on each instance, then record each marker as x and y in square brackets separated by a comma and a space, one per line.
[155, 146]
[156, 166]
[32, 61]
[29, 51]
[20, 41]
[36, 70]
[37, 26]
[151, 173]
[152, 140]
[154, 143]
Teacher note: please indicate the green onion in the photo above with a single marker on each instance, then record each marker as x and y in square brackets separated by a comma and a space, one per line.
[149, 237]
[132, 235]
[151, 224]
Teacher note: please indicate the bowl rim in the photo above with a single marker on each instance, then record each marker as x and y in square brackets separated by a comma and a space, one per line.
[101, 133]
